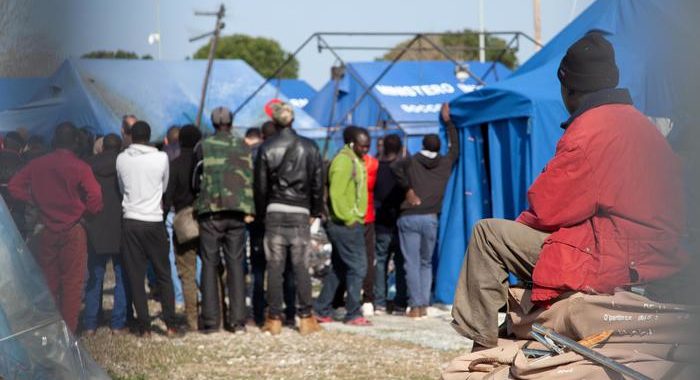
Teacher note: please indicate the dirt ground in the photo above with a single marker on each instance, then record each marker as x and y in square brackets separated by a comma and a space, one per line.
[395, 347]
[402, 349]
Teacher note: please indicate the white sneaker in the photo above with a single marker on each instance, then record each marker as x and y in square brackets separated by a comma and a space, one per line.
[367, 310]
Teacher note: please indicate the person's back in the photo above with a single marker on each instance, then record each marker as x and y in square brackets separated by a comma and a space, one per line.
[293, 167]
[223, 188]
[633, 180]
[427, 173]
[104, 228]
[143, 177]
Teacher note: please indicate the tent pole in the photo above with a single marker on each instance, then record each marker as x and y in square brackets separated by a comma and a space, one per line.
[449, 57]
[359, 81]
[379, 78]
[274, 75]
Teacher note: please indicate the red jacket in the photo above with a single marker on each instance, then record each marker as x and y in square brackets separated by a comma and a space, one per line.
[372, 165]
[61, 186]
[613, 198]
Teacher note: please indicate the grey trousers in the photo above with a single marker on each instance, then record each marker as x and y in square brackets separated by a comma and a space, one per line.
[496, 248]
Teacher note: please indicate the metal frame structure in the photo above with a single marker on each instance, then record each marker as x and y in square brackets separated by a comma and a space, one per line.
[322, 44]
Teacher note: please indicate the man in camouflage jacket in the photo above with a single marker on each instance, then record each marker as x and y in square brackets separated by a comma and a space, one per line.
[224, 205]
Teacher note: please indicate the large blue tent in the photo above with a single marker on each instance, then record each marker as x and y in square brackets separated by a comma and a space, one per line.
[98, 92]
[508, 130]
[298, 92]
[17, 91]
[407, 98]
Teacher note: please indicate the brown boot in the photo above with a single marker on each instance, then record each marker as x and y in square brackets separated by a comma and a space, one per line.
[273, 325]
[308, 325]
[414, 313]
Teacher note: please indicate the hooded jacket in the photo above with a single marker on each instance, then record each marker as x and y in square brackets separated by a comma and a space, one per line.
[612, 197]
[104, 228]
[143, 174]
[427, 176]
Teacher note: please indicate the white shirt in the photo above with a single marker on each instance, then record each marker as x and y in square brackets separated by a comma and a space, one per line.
[143, 177]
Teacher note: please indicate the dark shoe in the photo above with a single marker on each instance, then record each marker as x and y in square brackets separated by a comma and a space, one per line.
[143, 333]
[290, 322]
[414, 313]
[239, 329]
[172, 332]
[423, 311]
[119, 332]
[209, 330]
[273, 325]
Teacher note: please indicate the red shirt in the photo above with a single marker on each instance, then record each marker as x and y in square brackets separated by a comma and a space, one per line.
[61, 186]
[371, 165]
[612, 197]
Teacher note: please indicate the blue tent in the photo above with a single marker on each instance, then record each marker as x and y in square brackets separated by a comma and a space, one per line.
[508, 130]
[298, 91]
[17, 91]
[409, 95]
[97, 93]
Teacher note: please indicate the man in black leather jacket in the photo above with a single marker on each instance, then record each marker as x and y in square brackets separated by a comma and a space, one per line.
[288, 186]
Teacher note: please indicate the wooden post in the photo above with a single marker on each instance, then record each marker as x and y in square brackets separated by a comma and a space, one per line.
[538, 23]
[212, 50]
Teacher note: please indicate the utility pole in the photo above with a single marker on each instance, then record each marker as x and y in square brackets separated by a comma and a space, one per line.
[536, 9]
[482, 37]
[212, 49]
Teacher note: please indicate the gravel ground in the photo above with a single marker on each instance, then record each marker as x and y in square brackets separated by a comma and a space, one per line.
[330, 354]
[395, 347]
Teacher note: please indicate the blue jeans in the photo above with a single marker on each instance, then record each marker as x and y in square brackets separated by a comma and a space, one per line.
[97, 265]
[177, 285]
[348, 261]
[388, 244]
[418, 234]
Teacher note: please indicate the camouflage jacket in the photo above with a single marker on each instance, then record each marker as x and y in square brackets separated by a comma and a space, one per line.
[226, 182]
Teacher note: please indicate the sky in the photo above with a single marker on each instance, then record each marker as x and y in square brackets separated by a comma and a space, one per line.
[125, 24]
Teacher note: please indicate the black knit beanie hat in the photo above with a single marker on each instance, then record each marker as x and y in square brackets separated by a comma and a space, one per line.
[589, 65]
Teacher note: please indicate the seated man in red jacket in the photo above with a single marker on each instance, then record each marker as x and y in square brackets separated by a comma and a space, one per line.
[606, 211]
[63, 188]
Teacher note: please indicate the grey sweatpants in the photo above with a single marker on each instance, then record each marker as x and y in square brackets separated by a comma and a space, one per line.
[497, 247]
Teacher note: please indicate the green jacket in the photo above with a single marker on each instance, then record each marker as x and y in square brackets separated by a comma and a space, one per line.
[347, 188]
[227, 175]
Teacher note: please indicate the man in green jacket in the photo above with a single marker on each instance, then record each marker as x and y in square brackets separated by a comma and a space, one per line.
[224, 205]
[348, 204]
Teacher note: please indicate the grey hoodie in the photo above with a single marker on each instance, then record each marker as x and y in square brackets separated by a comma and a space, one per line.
[143, 177]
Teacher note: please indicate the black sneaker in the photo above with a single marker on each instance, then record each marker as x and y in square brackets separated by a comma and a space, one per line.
[209, 330]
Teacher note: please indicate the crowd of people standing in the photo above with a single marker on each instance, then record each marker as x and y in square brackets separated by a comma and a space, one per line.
[105, 200]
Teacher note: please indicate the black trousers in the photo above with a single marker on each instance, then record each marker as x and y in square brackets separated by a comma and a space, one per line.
[258, 263]
[143, 242]
[287, 238]
[227, 233]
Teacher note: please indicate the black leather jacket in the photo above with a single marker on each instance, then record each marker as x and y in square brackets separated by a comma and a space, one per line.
[288, 170]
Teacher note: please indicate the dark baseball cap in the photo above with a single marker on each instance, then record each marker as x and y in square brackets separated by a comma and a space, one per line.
[221, 116]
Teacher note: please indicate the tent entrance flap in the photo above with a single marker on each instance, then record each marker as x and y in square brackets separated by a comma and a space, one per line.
[489, 181]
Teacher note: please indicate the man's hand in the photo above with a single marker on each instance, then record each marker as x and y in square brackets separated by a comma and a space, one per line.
[248, 219]
[445, 112]
[412, 198]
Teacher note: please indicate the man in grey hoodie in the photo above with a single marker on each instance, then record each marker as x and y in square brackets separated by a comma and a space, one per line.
[143, 174]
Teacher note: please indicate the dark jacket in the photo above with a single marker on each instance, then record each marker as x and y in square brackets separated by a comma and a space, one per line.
[104, 228]
[289, 170]
[427, 176]
[179, 193]
[388, 196]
